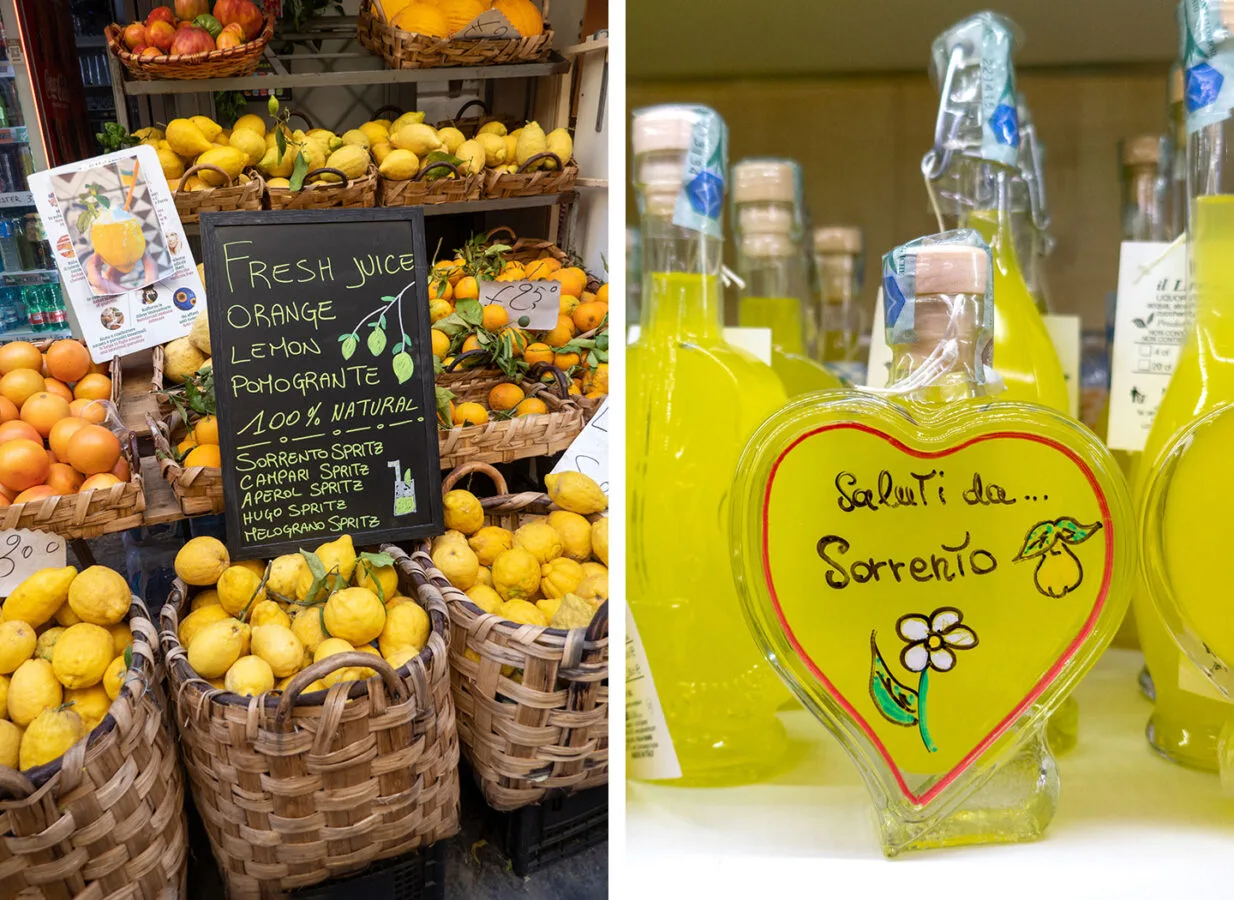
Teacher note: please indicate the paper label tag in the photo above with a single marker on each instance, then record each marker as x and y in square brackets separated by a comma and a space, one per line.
[489, 24]
[24, 552]
[878, 367]
[531, 305]
[752, 340]
[1149, 325]
[1065, 333]
[589, 452]
[649, 747]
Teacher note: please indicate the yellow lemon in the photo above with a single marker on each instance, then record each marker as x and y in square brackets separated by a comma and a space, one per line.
[121, 637]
[65, 617]
[81, 655]
[216, 648]
[595, 568]
[249, 676]
[599, 540]
[516, 574]
[100, 596]
[560, 577]
[10, 744]
[549, 606]
[191, 624]
[91, 704]
[331, 647]
[463, 511]
[256, 566]
[278, 646]
[201, 561]
[381, 580]
[47, 642]
[209, 128]
[407, 625]
[572, 612]
[285, 574]
[541, 540]
[307, 627]
[37, 598]
[457, 562]
[451, 139]
[523, 613]
[340, 556]
[186, 139]
[239, 589]
[113, 678]
[399, 656]
[575, 534]
[485, 597]
[249, 143]
[252, 123]
[484, 576]
[576, 492]
[267, 612]
[17, 644]
[229, 159]
[32, 689]
[4, 696]
[49, 735]
[594, 589]
[355, 614]
[398, 165]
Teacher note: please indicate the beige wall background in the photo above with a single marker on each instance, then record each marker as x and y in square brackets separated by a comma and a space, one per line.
[860, 139]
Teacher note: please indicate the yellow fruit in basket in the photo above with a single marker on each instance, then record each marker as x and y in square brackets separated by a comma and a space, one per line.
[457, 562]
[351, 160]
[37, 598]
[186, 139]
[17, 644]
[113, 678]
[195, 621]
[594, 588]
[549, 606]
[91, 704]
[216, 647]
[494, 127]
[239, 589]
[348, 673]
[121, 637]
[47, 642]
[51, 733]
[575, 533]
[284, 575]
[516, 574]
[572, 612]
[65, 616]
[172, 165]
[82, 655]
[529, 143]
[511, 141]
[199, 334]
[380, 150]
[355, 615]
[32, 689]
[560, 144]
[484, 576]
[523, 613]
[576, 492]
[560, 577]
[250, 143]
[407, 118]
[278, 183]
[419, 138]
[374, 132]
[229, 159]
[595, 568]
[180, 360]
[494, 149]
[523, 15]
[209, 128]
[250, 122]
[279, 646]
[356, 138]
[407, 625]
[267, 612]
[460, 13]
[10, 744]
[489, 541]
[421, 18]
[249, 676]
[149, 135]
[4, 696]
[485, 597]
[451, 139]
[381, 580]
[307, 627]
[473, 156]
[463, 511]
[100, 596]
[541, 540]
[276, 166]
[599, 540]
[399, 165]
[391, 8]
[399, 656]
[339, 556]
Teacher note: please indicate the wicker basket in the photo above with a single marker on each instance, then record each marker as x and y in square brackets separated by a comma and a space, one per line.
[191, 204]
[105, 821]
[525, 250]
[295, 788]
[355, 193]
[418, 192]
[505, 185]
[199, 489]
[471, 125]
[404, 50]
[242, 60]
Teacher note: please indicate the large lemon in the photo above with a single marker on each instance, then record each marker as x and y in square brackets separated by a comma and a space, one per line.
[113, 678]
[457, 562]
[199, 619]
[249, 676]
[90, 703]
[17, 643]
[407, 625]
[120, 243]
[599, 540]
[49, 735]
[333, 646]
[267, 612]
[485, 597]
[121, 637]
[181, 358]
[339, 556]
[560, 577]
[100, 596]
[575, 533]
[278, 646]
[81, 655]
[285, 575]
[381, 580]
[489, 541]
[37, 598]
[10, 744]
[239, 588]
[32, 689]
[201, 561]
[216, 648]
[576, 492]
[307, 627]
[523, 613]
[463, 511]
[355, 615]
[541, 540]
[516, 574]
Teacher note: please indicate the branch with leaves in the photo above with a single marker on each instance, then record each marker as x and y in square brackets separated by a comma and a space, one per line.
[377, 341]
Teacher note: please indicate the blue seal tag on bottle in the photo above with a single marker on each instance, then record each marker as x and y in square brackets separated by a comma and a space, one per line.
[700, 205]
[1000, 126]
[1208, 63]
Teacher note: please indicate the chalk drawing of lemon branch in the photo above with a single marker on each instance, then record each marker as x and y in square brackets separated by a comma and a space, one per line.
[404, 366]
[1058, 571]
[931, 642]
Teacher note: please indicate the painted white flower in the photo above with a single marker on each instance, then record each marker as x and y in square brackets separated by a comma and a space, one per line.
[933, 641]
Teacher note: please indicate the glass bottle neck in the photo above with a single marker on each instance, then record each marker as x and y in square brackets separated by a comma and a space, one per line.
[945, 366]
[682, 298]
[1142, 220]
[977, 195]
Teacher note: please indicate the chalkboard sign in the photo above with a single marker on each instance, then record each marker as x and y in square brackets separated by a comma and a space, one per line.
[323, 377]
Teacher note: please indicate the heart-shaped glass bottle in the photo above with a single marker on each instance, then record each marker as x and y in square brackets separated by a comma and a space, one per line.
[931, 572]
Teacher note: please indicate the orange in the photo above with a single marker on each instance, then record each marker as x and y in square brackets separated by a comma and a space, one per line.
[567, 305]
[206, 431]
[566, 360]
[89, 411]
[573, 280]
[517, 337]
[590, 315]
[95, 482]
[5, 501]
[92, 387]
[11, 431]
[470, 414]
[58, 438]
[103, 368]
[59, 388]
[602, 293]
[441, 343]
[541, 268]
[207, 455]
[561, 333]
[446, 268]
[20, 355]
[467, 288]
[472, 343]
[8, 410]
[576, 388]
[530, 407]
[64, 479]
[120, 470]
[7, 492]
[440, 289]
[186, 445]
[505, 396]
[38, 492]
[23, 464]
[538, 353]
[93, 449]
[495, 317]
[21, 384]
[68, 361]
[44, 410]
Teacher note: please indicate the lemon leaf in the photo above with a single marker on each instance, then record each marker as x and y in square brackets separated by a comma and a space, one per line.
[1039, 540]
[1073, 532]
[378, 560]
[128, 657]
[349, 346]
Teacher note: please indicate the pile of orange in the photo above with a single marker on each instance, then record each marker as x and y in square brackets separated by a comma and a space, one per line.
[201, 446]
[506, 399]
[52, 439]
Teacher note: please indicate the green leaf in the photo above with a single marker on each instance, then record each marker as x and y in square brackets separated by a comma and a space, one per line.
[452, 325]
[280, 139]
[350, 342]
[378, 560]
[444, 396]
[1073, 532]
[128, 657]
[318, 568]
[298, 171]
[897, 703]
[470, 311]
[404, 366]
[376, 341]
[1039, 540]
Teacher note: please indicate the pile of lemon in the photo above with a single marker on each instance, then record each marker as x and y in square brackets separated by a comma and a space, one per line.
[552, 571]
[253, 625]
[64, 653]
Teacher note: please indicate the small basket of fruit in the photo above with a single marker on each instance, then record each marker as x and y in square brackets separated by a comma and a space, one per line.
[469, 126]
[525, 577]
[329, 186]
[193, 40]
[420, 34]
[315, 680]
[539, 164]
[206, 187]
[91, 791]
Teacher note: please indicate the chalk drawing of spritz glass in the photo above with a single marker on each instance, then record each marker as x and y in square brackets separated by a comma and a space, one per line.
[404, 490]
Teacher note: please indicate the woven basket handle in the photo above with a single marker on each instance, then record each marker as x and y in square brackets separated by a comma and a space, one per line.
[469, 104]
[537, 158]
[598, 627]
[304, 116]
[458, 473]
[476, 355]
[437, 165]
[14, 784]
[321, 669]
[559, 377]
[192, 169]
[501, 229]
[340, 174]
[387, 109]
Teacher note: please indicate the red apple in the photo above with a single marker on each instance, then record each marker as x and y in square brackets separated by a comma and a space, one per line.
[191, 40]
[191, 9]
[228, 39]
[243, 12]
[134, 35]
[147, 52]
[161, 12]
[160, 34]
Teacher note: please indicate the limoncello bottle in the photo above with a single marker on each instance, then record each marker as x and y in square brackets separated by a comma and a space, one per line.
[1030, 221]
[838, 258]
[771, 261]
[693, 400]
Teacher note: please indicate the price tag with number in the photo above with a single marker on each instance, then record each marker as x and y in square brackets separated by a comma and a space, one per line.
[531, 305]
[24, 552]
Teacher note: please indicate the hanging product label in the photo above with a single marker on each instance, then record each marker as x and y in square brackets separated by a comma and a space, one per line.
[649, 747]
[530, 305]
[1065, 333]
[323, 377]
[24, 552]
[1149, 326]
[589, 452]
[700, 204]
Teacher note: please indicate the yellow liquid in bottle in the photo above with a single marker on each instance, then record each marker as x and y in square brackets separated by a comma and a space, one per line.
[694, 401]
[1185, 725]
[783, 315]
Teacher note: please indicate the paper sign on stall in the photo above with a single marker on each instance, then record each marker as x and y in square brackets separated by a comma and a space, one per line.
[24, 552]
[531, 305]
[1065, 335]
[589, 452]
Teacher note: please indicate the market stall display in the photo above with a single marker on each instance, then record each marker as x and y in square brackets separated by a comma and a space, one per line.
[419, 34]
[193, 40]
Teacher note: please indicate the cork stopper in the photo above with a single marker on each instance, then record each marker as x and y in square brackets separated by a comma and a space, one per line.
[1142, 150]
[837, 239]
[951, 269]
[665, 128]
[765, 181]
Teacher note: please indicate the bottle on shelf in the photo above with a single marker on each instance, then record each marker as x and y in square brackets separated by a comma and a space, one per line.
[693, 400]
[769, 224]
[1030, 220]
[838, 258]
[1145, 217]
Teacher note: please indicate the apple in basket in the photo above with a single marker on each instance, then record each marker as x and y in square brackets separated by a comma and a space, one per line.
[135, 36]
[162, 13]
[231, 36]
[242, 12]
[148, 52]
[192, 40]
[161, 34]
[191, 9]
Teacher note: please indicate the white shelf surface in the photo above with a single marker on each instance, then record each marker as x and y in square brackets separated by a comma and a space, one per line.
[1129, 824]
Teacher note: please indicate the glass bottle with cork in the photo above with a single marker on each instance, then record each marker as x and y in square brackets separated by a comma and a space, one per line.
[838, 258]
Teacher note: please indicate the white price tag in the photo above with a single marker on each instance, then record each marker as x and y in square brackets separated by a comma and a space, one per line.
[24, 552]
[878, 368]
[531, 305]
[649, 747]
[1149, 324]
[1065, 333]
[489, 24]
[752, 340]
[589, 452]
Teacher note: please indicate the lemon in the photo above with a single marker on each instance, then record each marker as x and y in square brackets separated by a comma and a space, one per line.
[494, 127]
[399, 165]
[209, 128]
[559, 143]
[267, 612]
[419, 138]
[249, 143]
[201, 561]
[199, 331]
[49, 735]
[113, 678]
[381, 150]
[65, 617]
[523, 613]
[38, 597]
[374, 132]
[81, 655]
[381, 580]
[347, 673]
[595, 568]
[549, 606]
[473, 156]
[560, 577]
[575, 534]
[355, 615]
[463, 512]
[339, 556]
[407, 118]
[494, 149]
[484, 576]
[216, 647]
[181, 359]
[186, 139]
[457, 562]
[576, 492]
[121, 637]
[229, 159]
[32, 689]
[251, 123]
[407, 625]
[4, 696]
[541, 540]
[599, 540]
[307, 627]
[278, 646]
[249, 676]
[172, 165]
[100, 596]
[485, 597]
[451, 139]
[399, 656]
[285, 575]
[516, 574]
[573, 612]
[17, 644]
[529, 143]
[47, 642]
[594, 588]
[10, 744]
[351, 160]
[256, 566]
[91, 704]
[239, 589]
[195, 621]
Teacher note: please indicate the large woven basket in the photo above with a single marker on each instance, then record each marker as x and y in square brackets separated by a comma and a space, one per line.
[470, 125]
[418, 191]
[242, 60]
[523, 183]
[199, 489]
[404, 50]
[106, 820]
[354, 193]
[523, 249]
[191, 204]
[297, 788]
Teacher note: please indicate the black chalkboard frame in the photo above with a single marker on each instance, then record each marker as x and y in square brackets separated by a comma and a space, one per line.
[422, 378]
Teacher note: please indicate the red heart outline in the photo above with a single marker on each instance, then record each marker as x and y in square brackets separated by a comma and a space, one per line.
[1046, 679]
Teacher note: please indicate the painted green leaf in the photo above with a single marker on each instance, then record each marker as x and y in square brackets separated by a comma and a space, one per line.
[1039, 540]
[376, 341]
[349, 346]
[897, 703]
[403, 367]
[1073, 532]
